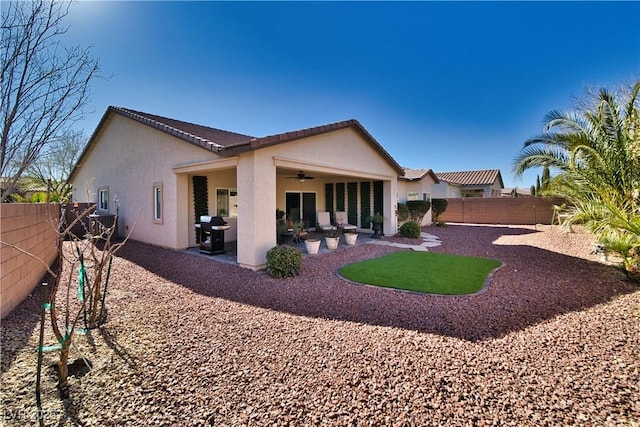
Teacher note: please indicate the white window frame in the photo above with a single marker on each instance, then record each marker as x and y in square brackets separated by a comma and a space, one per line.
[158, 205]
[413, 195]
[103, 199]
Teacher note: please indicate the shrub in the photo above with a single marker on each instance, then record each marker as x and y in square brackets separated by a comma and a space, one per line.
[403, 212]
[283, 261]
[417, 209]
[410, 229]
[439, 206]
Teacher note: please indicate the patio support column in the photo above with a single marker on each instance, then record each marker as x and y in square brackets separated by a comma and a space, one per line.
[183, 222]
[390, 191]
[256, 181]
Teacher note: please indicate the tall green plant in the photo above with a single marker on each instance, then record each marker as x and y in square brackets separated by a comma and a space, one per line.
[418, 209]
[439, 206]
[596, 150]
[200, 200]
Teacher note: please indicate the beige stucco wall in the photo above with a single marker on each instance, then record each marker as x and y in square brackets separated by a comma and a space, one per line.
[129, 158]
[30, 227]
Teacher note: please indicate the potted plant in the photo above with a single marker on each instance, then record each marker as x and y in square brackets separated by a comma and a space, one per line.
[298, 230]
[281, 225]
[312, 245]
[332, 238]
[376, 220]
[351, 238]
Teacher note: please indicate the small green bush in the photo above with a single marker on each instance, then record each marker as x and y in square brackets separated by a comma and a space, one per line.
[283, 261]
[410, 229]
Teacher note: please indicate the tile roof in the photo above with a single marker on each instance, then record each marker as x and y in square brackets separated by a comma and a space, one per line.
[218, 140]
[225, 143]
[215, 139]
[478, 177]
[418, 175]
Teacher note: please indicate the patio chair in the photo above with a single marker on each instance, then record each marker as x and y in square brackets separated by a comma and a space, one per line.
[324, 221]
[343, 222]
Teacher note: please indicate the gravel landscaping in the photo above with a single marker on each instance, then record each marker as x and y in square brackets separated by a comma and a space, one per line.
[554, 340]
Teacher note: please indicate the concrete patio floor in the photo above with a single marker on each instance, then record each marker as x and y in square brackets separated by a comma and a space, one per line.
[231, 248]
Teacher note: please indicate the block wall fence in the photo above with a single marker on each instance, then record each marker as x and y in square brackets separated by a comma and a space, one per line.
[30, 227]
[501, 210]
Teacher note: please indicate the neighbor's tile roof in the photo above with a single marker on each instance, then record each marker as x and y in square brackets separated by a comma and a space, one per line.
[418, 174]
[479, 177]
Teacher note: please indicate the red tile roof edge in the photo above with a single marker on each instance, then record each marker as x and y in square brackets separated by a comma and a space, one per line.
[157, 122]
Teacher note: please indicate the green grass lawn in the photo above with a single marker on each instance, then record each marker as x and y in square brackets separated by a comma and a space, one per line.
[427, 272]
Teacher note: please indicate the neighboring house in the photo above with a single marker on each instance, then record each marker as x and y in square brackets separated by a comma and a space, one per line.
[147, 164]
[515, 192]
[480, 183]
[26, 187]
[416, 184]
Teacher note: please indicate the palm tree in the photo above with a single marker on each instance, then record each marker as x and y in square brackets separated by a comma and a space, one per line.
[596, 151]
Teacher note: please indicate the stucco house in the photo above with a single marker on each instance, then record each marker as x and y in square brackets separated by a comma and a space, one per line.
[477, 183]
[148, 165]
[417, 184]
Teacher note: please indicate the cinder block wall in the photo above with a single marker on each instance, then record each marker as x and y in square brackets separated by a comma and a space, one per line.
[501, 210]
[31, 228]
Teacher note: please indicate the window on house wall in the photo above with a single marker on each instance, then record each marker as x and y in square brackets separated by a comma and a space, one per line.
[227, 202]
[103, 199]
[413, 195]
[426, 197]
[157, 202]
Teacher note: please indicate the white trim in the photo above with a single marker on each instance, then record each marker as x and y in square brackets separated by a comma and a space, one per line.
[209, 165]
[329, 169]
[157, 187]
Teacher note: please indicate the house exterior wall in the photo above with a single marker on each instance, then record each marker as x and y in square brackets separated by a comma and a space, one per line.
[30, 227]
[128, 157]
[444, 190]
[341, 156]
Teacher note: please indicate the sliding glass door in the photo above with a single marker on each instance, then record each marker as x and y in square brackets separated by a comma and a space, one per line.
[301, 205]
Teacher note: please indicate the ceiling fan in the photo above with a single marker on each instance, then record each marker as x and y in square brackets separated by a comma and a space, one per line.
[301, 176]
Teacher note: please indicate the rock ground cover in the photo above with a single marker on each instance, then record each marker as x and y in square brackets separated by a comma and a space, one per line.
[553, 341]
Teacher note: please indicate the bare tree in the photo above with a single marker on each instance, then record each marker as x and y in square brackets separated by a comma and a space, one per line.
[55, 163]
[44, 85]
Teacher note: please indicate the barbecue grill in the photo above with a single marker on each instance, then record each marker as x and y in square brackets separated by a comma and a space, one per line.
[212, 234]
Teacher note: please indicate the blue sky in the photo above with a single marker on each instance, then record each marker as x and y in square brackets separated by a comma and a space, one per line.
[441, 85]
